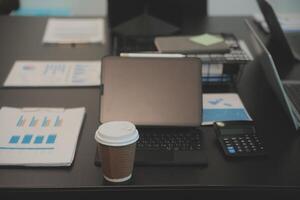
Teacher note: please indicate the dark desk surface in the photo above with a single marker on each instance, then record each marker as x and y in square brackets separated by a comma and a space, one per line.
[21, 39]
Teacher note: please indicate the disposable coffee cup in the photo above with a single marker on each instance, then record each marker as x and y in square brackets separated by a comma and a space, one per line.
[117, 143]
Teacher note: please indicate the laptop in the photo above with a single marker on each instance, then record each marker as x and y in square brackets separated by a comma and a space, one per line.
[284, 78]
[277, 34]
[163, 98]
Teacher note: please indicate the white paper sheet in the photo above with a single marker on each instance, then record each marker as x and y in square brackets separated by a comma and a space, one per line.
[223, 107]
[39, 136]
[74, 31]
[54, 74]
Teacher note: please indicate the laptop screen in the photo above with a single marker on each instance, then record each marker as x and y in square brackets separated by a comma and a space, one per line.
[270, 70]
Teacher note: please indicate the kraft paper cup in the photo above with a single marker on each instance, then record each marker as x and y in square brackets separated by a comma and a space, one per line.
[117, 143]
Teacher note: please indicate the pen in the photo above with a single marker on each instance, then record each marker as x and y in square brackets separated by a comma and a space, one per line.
[152, 55]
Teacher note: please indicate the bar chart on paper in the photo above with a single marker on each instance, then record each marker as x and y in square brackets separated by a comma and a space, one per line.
[223, 107]
[34, 140]
[39, 136]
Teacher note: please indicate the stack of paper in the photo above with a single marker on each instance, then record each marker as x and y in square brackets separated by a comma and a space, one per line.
[54, 74]
[39, 136]
[212, 73]
[74, 31]
[223, 107]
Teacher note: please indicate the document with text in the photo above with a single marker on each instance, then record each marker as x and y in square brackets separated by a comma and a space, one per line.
[74, 31]
[54, 74]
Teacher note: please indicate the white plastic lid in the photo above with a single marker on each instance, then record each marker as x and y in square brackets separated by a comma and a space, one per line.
[117, 133]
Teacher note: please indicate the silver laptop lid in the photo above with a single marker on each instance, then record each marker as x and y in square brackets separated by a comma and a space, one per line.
[152, 91]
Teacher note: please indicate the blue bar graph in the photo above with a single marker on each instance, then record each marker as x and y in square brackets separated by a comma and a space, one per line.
[27, 139]
[14, 139]
[51, 139]
[45, 121]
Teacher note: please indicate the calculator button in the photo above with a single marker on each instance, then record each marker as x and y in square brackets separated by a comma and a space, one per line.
[231, 151]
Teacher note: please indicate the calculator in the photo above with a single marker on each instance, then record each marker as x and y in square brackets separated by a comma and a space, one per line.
[239, 139]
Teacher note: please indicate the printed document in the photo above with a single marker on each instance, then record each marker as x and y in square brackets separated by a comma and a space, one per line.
[223, 107]
[74, 31]
[39, 136]
[54, 74]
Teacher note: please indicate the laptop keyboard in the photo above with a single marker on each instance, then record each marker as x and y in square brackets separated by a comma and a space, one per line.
[175, 139]
[293, 91]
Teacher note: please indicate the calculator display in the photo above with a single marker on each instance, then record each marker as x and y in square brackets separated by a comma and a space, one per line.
[231, 131]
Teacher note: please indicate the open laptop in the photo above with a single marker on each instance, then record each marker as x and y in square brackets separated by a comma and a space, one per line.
[284, 78]
[277, 34]
[163, 98]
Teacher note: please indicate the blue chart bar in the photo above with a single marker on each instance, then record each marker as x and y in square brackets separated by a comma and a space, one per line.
[45, 122]
[51, 139]
[38, 140]
[14, 139]
[32, 122]
[58, 121]
[26, 139]
[20, 121]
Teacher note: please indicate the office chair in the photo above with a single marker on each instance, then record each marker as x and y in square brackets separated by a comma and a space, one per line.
[6, 6]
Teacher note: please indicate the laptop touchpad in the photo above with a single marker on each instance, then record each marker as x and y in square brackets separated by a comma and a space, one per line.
[144, 157]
